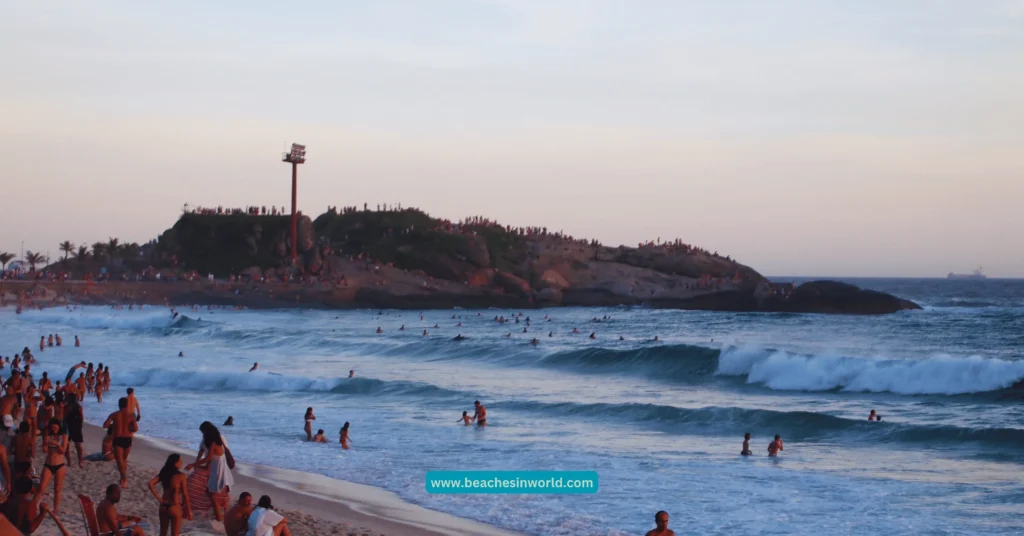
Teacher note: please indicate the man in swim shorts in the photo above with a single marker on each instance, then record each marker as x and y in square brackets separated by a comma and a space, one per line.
[480, 416]
[775, 447]
[110, 522]
[746, 445]
[125, 427]
[660, 525]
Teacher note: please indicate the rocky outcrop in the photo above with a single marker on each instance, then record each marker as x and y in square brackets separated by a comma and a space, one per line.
[834, 297]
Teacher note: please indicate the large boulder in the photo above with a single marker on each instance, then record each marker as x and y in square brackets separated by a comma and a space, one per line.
[512, 284]
[836, 298]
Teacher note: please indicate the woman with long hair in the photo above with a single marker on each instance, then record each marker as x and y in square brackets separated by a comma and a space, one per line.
[213, 456]
[174, 498]
[53, 468]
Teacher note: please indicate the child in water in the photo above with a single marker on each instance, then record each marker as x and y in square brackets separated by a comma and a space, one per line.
[465, 418]
[746, 445]
[319, 437]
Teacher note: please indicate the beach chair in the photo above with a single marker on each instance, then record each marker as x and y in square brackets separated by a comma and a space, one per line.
[92, 526]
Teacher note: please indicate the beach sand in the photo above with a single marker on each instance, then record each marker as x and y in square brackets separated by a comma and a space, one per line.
[313, 504]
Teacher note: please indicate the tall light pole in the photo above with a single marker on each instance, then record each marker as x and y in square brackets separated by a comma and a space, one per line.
[295, 157]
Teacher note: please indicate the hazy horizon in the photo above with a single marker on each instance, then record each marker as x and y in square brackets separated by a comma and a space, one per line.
[819, 138]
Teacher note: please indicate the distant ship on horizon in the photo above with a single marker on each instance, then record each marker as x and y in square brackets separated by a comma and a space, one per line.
[977, 274]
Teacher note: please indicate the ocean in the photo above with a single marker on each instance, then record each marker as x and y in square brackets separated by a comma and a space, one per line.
[661, 422]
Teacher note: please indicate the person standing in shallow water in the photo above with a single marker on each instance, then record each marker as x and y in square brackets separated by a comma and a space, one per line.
[480, 416]
[344, 436]
[309, 423]
[746, 445]
[775, 447]
[661, 525]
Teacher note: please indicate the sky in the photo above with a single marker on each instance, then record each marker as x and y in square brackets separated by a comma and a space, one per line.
[821, 138]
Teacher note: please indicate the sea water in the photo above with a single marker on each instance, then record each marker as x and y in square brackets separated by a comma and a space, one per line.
[661, 422]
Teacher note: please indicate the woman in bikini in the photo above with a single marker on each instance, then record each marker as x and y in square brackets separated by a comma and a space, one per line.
[55, 446]
[175, 496]
[309, 423]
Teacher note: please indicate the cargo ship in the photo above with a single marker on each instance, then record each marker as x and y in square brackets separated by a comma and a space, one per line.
[975, 275]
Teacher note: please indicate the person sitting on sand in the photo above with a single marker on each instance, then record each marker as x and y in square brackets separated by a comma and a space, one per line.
[106, 453]
[236, 520]
[230, 421]
[264, 521]
[465, 418]
[125, 426]
[775, 447]
[110, 522]
[174, 498]
[309, 423]
[480, 415]
[746, 445]
[319, 437]
[660, 525]
[344, 439]
[254, 367]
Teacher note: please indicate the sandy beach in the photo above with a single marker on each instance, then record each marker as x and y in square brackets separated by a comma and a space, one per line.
[313, 504]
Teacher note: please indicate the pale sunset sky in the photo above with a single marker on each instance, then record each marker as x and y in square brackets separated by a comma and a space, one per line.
[824, 138]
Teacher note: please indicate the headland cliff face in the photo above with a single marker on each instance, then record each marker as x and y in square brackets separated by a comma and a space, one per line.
[407, 259]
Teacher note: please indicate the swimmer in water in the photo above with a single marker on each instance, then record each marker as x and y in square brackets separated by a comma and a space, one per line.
[466, 419]
[872, 416]
[656, 339]
[379, 331]
[508, 335]
[351, 374]
[621, 338]
[230, 421]
[534, 342]
[435, 326]
[480, 416]
[458, 337]
[593, 334]
[402, 328]
[660, 525]
[574, 330]
[344, 436]
[77, 342]
[424, 333]
[319, 437]
[309, 424]
[181, 354]
[254, 367]
[551, 334]
[746, 445]
[775, 447]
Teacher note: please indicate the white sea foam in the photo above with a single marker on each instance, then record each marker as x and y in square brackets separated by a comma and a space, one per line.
[941, 374]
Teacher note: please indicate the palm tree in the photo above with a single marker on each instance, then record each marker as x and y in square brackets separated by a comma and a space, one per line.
[98, 250]
[67, 247]
[6, 258]
[112, 247]
[33, 259]
[130, 250]
[83, 253]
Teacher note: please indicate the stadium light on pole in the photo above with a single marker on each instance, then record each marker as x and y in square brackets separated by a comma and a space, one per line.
[295, 157]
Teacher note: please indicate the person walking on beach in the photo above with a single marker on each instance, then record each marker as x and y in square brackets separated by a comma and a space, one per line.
[133, 404]
[344, 436]
[53, 468]
[110, 522]
[775, 447]
[264, 521]
[74, 418]
[309, 424]
[660, 525]
[236, 520]
[480, 415]
[174, 503]
[125, 426]
[215, 456]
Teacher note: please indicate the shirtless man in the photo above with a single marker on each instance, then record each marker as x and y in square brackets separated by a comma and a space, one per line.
[133, 404]
[236, 520]
[80, 387]
[45, 384]
[480, 416]
[775, 447]
[253, 369]
[112, 524]
[15, 385]
[125, 426]
[872, 416]
[8, 403]
[351, 374]
[746, 445]
[661, 525]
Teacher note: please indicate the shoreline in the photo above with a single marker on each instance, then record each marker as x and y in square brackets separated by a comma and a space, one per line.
[363, 509]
